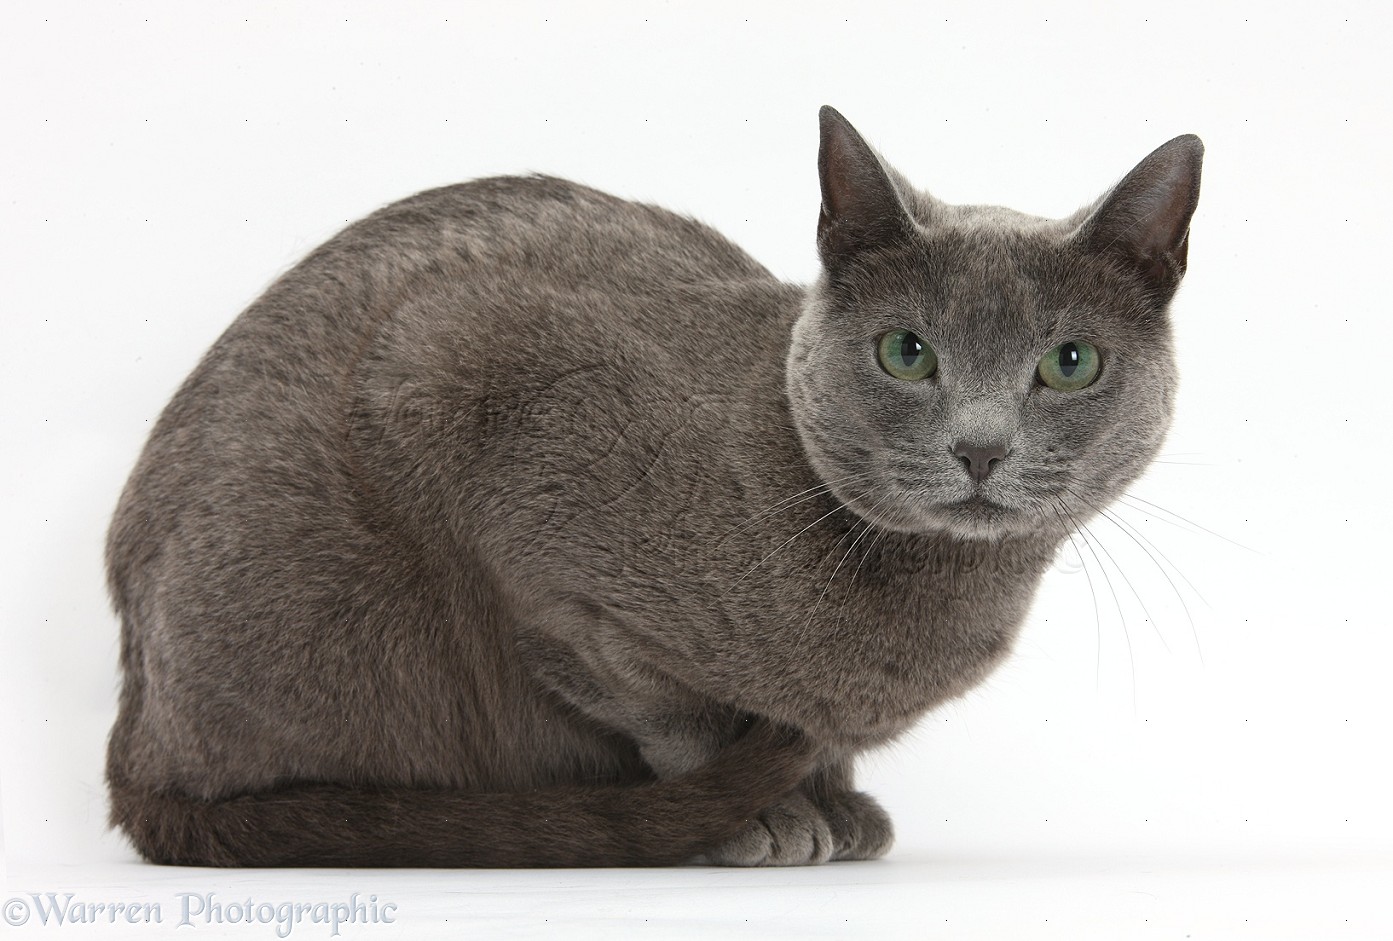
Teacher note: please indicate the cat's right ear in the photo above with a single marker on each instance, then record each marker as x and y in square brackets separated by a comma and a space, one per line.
[861, 209]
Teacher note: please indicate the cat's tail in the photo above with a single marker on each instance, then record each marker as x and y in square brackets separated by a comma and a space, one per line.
[651, 824]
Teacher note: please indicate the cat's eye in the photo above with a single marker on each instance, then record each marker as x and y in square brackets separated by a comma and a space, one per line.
[905, 356]
[1070, 366]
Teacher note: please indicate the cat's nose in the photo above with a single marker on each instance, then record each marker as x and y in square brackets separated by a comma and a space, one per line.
[979, 459]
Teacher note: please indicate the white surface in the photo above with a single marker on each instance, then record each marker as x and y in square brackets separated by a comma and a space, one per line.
[913, 896]
[165, 161]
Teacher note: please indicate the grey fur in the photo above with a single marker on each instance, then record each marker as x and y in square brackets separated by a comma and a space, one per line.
[516, 485]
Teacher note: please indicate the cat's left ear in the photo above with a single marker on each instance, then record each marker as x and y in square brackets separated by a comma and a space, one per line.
[1145, 220]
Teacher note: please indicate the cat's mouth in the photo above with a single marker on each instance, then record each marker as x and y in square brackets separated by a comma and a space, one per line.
[975, 515]
[978, 516]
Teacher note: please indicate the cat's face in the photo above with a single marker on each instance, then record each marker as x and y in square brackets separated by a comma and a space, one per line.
[982, 372]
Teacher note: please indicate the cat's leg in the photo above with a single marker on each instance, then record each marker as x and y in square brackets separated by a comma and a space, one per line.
[678, 731]
[823, 819]
[793, 831]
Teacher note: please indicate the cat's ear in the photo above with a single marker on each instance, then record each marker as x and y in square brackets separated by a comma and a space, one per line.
[861, 209]
[1145, 219]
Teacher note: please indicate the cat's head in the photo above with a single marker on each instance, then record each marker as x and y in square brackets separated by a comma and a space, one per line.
[979, 371]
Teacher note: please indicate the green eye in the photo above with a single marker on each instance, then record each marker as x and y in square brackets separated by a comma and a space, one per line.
[905, 356]
[1070, 366]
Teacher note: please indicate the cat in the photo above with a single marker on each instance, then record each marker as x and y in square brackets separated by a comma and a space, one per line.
[521, 525]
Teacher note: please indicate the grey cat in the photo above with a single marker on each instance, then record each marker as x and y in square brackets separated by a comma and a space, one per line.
[520, 525]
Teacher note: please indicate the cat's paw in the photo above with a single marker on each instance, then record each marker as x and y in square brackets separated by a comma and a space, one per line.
[861, 829]
[793, 832]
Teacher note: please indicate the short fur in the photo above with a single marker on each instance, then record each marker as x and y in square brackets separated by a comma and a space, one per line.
[486, 532]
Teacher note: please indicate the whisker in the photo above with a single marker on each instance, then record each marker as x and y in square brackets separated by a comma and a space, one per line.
[803, 496]
[1136, 594]
[1092, 593]
[1177, 569]
[870, 547]
[1188, 522]
[1154, 626]
[832, 512]
[865, 529]
[1134, 528]
[1131, 657]
[1128, 529]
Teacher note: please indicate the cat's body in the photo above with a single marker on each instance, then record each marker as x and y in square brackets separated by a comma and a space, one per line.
[503, 489]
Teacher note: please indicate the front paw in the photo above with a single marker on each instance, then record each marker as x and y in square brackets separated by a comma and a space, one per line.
[793, 832]
[860, 827]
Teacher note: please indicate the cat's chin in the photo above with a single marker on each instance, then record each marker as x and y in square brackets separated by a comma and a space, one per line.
[980, 518]
[978, 521]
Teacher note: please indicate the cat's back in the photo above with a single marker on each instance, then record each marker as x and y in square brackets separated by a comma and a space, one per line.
[258, 454]
[566, 233]
[475, 250]
[502, 241]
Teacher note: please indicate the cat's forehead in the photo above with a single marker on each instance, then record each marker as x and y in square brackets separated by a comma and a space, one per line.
[980, 272]
[994, 287]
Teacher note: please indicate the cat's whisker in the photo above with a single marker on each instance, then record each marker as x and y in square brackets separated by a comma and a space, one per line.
[1130, 498]
[1121, 572]
[1135, 594]
[1144, 543]
[1092, 593]
[870, 547]
[812, 493]
[1088, 540]
[1152, 552]
[1157, 549]
[803, 496]
[866, 529]
[832, 512]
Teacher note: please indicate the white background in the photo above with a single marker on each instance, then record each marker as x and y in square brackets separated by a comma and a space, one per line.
[1205, 756]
